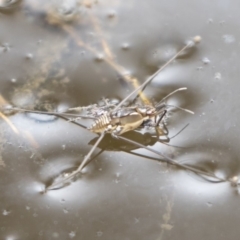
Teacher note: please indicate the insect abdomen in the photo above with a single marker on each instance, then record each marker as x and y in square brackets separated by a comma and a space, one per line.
[101, 123]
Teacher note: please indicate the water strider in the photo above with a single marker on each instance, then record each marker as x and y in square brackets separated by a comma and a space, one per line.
[119, 117]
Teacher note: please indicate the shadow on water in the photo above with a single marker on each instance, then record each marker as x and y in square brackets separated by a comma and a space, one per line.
[205, 158]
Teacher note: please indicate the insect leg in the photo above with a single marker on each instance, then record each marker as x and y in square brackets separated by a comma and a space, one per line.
[50, 113]
[179, 131]
[141, 88]
[80, 109]
[169, 138]
[161, 118]
[74, 122]
[86, 158]
[59, 184]
[171, 161]
[160, 131]
[164, 130]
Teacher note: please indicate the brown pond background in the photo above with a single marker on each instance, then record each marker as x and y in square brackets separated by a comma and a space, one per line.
[54, 55]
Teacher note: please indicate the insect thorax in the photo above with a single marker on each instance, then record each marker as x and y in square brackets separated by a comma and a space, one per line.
[123, 120]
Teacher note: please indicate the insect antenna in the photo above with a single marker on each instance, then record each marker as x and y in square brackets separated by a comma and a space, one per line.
[162, 105]
[173, 92]
[180, 108]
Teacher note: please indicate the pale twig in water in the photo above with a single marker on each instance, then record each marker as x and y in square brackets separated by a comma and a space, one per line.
[118, 68]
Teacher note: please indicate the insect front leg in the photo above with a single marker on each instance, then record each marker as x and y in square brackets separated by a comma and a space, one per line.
[162, 131]
[159, 130]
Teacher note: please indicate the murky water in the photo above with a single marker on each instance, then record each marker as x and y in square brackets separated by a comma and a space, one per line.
[59, 55]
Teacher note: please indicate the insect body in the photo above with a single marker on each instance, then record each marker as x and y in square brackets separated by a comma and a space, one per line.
[125, 119]
[120, 120]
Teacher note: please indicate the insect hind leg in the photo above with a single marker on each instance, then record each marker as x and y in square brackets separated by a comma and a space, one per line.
[169, 160]
[87, 158]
